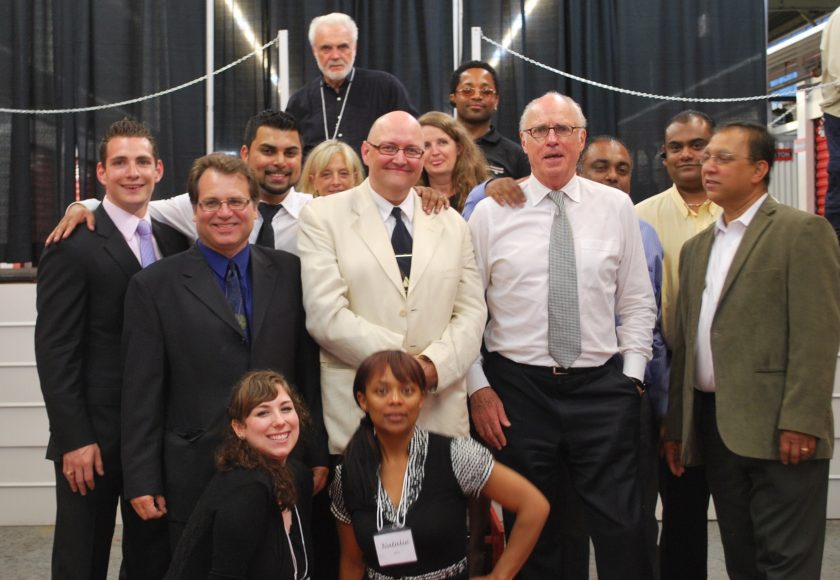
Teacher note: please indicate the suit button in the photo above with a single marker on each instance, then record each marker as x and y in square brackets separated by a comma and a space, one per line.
[403, 313]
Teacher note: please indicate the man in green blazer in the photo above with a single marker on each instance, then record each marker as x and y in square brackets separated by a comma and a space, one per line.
[758, 321]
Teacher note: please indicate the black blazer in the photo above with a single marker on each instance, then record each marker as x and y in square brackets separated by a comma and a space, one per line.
[81, 289]
[184, 351]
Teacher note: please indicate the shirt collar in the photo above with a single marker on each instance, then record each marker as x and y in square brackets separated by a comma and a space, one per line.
[744, 219]
[125, 222]
[294, 202]
[385, 207]
[536, 191]
[492, 136]
[219, 263]
[683, 208]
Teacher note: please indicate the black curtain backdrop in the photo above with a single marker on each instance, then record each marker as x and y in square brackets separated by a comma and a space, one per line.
[76, 53]
[705, 49]
[80, 53]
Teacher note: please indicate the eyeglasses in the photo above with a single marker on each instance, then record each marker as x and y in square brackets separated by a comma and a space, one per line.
[468, 91]
[234, 204]
[722, 158]
[390, 150]
[540, 132]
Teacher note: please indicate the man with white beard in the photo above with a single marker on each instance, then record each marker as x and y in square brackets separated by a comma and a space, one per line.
[344, 102]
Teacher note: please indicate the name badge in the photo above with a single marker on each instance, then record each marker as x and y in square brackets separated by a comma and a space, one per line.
[395, 546]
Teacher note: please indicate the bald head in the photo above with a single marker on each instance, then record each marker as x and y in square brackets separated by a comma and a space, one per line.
[392, 176]
[394, 121]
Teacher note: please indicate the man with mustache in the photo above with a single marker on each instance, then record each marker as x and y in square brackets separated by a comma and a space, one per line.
[755, 354]
[475, 95]
[677, 214]
[344, 102]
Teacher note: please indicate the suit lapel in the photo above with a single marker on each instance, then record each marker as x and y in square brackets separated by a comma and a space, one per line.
[115, 244]
[426, 238]
[263, 282]
[370, 228]
[753, 233]
[200, 281]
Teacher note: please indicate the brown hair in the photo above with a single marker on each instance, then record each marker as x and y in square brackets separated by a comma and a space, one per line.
[224, 164]
[253, 389]
[126, 127]
[470, 165]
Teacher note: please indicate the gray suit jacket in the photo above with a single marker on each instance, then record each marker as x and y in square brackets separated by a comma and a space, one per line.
[775, 335]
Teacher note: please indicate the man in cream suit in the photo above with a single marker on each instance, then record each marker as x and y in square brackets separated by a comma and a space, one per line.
[362, 296]
[758, 329]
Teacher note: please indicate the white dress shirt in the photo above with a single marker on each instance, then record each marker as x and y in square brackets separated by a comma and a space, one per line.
[385, 208]
[727, 240]
[177, 212]
[511, 247]
[126, 223]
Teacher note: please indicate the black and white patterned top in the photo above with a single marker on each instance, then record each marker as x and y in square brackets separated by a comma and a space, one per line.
[443, 473]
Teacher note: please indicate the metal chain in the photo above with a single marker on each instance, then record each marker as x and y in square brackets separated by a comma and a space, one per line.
[139, 99]
[638, 93]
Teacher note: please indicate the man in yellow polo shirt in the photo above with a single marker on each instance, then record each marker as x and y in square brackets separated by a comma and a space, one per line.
[677, 214]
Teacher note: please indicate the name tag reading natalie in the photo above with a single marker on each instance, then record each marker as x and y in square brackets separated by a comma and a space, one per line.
[395, 546]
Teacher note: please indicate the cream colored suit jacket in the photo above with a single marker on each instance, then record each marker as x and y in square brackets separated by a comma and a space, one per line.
[356, 305]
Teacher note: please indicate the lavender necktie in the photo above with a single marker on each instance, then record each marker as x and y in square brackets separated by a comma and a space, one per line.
[147, 247]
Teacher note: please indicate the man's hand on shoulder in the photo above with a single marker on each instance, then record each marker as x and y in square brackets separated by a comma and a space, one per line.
[488, 415]
[433, 200]
[76, 214]
[505, 191]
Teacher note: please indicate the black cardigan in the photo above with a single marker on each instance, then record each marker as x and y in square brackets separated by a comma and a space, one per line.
[236, 530]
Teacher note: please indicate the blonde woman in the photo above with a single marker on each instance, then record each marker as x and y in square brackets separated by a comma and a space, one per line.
[331, 167]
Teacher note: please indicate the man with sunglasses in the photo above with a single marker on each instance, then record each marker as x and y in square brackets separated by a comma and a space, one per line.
[560, 384]
[194, 324]
[755, 354]
[473, 91]
[380, 274]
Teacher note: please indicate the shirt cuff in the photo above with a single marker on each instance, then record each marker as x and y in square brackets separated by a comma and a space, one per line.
[476, 378]
[634, 365]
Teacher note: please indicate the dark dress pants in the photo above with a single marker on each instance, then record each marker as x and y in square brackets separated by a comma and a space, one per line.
[589, 422]
[771, 516]
[649, 479]
[84, 525]
[683, 546]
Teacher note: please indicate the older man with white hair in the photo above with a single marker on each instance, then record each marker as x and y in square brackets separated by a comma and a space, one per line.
[345, 100]
[560, 384]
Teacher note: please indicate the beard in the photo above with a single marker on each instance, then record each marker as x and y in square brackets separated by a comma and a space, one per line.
[335, 76]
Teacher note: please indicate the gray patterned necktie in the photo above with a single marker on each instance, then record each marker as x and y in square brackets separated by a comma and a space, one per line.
[563, 310]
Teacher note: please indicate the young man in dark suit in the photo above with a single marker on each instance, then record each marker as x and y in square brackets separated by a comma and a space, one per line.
[194, 324]
[81, 289]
